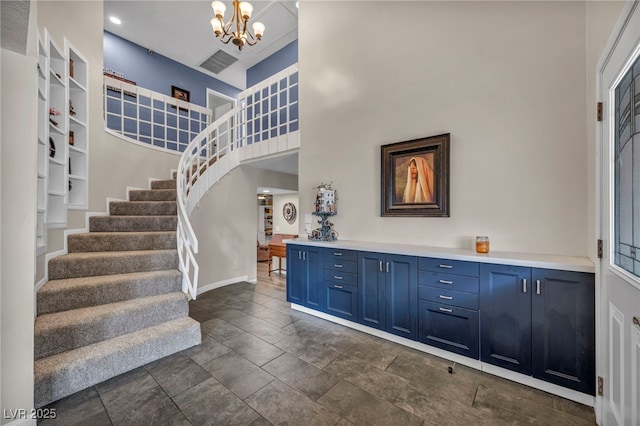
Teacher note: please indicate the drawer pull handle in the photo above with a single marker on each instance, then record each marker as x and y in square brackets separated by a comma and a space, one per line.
[446, 266]
[537, 286]
[445, 282]
[446, 310]
[337, 266]
[381, 266]
[337, 277]
[337, 286]
[446, 297]
[337, 254]
[387, 267]
[524, 285]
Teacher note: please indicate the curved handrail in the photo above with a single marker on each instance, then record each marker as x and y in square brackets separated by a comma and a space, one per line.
[216, 151]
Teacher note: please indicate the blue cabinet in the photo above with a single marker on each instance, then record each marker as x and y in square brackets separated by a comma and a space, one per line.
[563, 328]
[449, 327]
[304, 278]
[540, 322]
[505, 316]
[388, 293]
[341, 300]
[341, 283]
[371, 298]
[448, 317]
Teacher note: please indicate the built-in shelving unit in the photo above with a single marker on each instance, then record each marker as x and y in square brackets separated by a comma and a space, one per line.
[56, 203]
[42, 150]
[265, 218]
[78, 157]
[62, 143]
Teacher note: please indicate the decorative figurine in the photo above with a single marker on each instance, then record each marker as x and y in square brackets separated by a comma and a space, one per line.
[325, 206]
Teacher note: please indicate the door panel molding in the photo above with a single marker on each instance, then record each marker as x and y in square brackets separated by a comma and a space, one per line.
[616, 363]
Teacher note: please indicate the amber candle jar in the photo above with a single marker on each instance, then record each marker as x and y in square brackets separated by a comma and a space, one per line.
[482, 244]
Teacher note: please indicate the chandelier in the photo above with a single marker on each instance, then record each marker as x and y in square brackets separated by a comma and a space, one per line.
[236, 29]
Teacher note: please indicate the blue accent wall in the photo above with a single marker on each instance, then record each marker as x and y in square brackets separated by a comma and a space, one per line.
[158, 73]
[280, 60]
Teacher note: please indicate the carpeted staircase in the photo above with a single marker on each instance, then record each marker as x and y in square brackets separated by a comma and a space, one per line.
[114, 302]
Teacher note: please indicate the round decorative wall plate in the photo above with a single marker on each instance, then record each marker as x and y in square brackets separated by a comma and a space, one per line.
[289, 212]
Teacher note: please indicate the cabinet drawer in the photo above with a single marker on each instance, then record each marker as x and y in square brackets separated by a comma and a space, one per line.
[340, 254]
[459, 267]
[450, 328]
[450, 297]
[340, 265]
[449, 281]
[341, 277]
[341, 300]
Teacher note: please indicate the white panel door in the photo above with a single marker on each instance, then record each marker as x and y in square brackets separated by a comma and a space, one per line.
[619, 198]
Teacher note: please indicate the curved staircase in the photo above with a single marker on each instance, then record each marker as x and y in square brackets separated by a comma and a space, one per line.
[115, 301]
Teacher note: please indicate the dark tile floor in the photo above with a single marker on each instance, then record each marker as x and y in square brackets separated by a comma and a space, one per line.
[261, 363]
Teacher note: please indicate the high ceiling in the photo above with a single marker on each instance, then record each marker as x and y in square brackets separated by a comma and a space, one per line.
[181, 31]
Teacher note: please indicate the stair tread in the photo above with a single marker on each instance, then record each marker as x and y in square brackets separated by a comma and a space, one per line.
[68, 372]
[120, 217]
[79, 282]
[121, 233]
[97, 254]
[58, 320]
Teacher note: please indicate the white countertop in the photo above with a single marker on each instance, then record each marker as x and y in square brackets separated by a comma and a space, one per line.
[546, 261]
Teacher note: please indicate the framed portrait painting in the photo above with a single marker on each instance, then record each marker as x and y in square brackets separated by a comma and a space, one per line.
[178, 93]
[415, 177]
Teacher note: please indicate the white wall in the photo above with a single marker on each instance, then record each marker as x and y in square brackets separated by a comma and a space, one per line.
[226, 223]
[18, 205]
[506, 79]
[281, 226]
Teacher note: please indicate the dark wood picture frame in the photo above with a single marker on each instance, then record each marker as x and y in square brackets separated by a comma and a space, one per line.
[415, 177]
[178, 93]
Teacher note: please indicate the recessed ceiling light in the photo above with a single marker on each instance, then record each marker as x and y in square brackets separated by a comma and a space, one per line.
[115, 20]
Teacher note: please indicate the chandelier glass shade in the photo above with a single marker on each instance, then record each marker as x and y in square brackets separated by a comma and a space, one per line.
[236, 30]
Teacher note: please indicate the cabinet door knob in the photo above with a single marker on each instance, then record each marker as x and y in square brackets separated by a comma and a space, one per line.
[337, 266]
[337, 286]
[446, 297]
[337, 277]
[446, 266]
[524, 285]
[537, 286]
[445, 282]
[445, 310]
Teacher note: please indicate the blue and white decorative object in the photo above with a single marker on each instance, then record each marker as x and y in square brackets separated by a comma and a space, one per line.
[325, 206]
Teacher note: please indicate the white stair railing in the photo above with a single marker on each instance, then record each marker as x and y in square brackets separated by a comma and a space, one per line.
[138, 114]
[263, 122]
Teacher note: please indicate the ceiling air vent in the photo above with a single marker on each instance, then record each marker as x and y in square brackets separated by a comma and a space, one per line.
[218, 61]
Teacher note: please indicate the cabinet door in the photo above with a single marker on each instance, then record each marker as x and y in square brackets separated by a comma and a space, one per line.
[371, 289]
[341, 300]
[314, 284]
[449, 327]
[505, 309]
[296, 274]
[563, 321]
[402, 295]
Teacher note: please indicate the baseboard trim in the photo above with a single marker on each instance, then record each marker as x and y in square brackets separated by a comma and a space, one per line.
[572, 395]
[218, 284]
